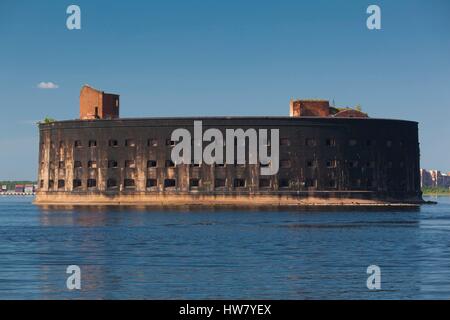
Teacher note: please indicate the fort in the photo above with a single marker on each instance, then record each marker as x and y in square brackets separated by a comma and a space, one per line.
[327, 156]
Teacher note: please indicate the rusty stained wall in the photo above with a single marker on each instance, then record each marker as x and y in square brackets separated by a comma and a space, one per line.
[384, 162]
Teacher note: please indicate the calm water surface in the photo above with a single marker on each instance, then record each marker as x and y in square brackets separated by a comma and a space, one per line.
[155, 254]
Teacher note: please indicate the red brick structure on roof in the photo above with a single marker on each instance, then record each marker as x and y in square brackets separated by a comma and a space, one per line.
[309, 108]
[350, 113]
[95, 104]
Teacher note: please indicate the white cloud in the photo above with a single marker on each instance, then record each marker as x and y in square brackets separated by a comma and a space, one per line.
[47, 85]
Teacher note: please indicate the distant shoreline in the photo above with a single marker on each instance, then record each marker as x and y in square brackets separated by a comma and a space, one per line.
[437, 194]
[18, 194]
[436, 191]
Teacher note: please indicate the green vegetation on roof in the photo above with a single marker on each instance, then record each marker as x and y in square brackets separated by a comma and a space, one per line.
[47, 120]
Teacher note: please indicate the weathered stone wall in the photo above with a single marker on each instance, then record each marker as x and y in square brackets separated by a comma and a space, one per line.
[369, 160]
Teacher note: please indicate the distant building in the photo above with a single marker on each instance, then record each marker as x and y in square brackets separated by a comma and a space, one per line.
[425, 178]
[4, 188]
[434, 178]
[28, 188]
[19, 188]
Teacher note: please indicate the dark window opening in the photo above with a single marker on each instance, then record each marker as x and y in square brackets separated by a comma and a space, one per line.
[264, 183]
[51, 184]
[92, 143]
[152, 143]
[169, 163]
[330, 142]
[170, 142]
[194, 183]
[113, 143]
[353, 164]
[78, 144]
[61, 184]
[331, 163]
[151, 183]
[129, 183]
[76, 183]
[92, 164]
[283, 183]
[311, 163]
[169, 183]
[310, 183]
[370, 164]
[41, 184]
[61, 165]
[112, 164]
[130, 143]
[220, 183]
[239, 183]
[151, 163]
[111, 183]
[77, 164]
[91, 183]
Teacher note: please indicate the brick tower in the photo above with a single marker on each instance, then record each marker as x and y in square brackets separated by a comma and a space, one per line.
[95, 104]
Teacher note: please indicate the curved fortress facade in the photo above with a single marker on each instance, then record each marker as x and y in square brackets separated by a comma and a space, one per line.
[326, 156]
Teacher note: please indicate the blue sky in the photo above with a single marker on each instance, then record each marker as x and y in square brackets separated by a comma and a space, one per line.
[179, 58]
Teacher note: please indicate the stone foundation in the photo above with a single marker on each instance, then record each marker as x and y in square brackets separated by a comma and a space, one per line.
[301, 199]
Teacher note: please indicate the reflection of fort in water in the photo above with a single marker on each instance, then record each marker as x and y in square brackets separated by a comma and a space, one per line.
[327, 156]
[152, 255]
